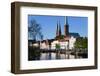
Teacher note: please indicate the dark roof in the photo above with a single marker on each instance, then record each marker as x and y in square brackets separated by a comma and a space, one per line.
[74, 35]
[33, 41]
[49, 40]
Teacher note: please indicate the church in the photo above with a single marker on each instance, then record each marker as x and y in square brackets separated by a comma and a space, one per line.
[65, 41]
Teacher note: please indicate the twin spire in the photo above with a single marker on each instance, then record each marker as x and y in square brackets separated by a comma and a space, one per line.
[58, 31]
[66, 30]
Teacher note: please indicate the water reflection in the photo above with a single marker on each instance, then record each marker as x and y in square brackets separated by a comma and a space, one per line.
[45, 54]
[53, 56]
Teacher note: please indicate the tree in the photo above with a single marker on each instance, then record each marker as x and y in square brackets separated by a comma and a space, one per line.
[57, 46]
[34, 30]
[81, 42]
[60, 37]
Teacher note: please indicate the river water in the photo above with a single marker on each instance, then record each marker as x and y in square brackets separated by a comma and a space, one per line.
[53, 56]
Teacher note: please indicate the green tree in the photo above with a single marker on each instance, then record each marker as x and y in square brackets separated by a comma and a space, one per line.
[60, 37]
[57, 46]
[81, 42]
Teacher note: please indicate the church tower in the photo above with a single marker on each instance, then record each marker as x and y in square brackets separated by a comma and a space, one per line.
[66, 27]
[58, 30]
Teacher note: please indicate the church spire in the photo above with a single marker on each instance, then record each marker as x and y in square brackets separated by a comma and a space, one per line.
[59, 30]
[66, 20]
[66, 27]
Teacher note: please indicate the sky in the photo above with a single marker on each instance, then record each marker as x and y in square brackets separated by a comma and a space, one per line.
[49, 24]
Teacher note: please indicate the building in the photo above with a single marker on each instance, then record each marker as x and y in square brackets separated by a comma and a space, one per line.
[65, 41]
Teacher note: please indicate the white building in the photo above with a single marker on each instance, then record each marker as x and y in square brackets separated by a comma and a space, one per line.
[63, 44]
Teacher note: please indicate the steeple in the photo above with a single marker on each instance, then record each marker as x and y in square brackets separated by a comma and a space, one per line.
[59, 29]
[66, 27]
[66, 20]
